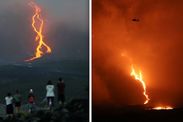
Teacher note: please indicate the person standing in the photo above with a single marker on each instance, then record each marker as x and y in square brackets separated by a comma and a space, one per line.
[50, 94]
[9, 105]
[31, 100]
[17, 101]
[61, 91]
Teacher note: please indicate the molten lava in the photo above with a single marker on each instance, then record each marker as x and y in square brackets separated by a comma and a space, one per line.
[163, 108]
[38, 25]
[138, 76]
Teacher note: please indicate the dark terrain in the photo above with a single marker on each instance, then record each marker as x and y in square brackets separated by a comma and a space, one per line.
[136, 114]
[76, 110]
[26, 75]
[35, 75]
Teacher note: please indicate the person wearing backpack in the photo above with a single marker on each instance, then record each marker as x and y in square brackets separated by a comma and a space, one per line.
[17, 101]
[31, 100]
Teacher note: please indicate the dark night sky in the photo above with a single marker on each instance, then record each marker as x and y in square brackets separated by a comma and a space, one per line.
[66, 29]
[154, 45]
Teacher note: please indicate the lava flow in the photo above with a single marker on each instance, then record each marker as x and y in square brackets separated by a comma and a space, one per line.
[38, 25]
[138, 76]
[163, 108]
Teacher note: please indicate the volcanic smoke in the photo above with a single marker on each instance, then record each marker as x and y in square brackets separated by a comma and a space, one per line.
[38, 25]
[138, 76]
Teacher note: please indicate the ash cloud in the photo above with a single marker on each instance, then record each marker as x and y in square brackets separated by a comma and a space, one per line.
[154, 44]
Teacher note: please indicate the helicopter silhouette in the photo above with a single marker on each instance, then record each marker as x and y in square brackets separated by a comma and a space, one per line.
[135, 20]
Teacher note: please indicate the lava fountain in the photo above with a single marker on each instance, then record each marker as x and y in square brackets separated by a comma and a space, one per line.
[38, 26]
[138, 76]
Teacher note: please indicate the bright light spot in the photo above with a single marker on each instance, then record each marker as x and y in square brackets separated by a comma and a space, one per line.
[163, 108]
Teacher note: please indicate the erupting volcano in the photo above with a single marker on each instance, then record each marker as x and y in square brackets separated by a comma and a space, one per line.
[139, 77]
[137, 60]
[38, 25]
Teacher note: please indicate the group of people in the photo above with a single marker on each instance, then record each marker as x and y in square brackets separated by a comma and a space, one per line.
[15, 100]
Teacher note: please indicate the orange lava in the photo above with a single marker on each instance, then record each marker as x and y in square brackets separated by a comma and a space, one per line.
[38, 25]
[163, 108]
[138, 76]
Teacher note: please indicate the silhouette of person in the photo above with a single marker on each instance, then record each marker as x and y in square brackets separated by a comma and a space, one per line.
[61, 91]
[17, 101]
[31, 100]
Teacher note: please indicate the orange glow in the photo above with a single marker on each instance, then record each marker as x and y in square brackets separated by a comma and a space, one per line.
[38, 25]
[163, 108]
[138, 76]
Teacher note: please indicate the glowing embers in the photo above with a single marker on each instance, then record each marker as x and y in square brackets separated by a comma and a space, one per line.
[138, 76]
[38, 25]
[163, 108]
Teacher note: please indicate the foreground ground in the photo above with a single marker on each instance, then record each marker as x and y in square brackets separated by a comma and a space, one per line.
[76, 110]
[136, 114]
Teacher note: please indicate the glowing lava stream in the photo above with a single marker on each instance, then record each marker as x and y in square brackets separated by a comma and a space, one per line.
[163, 108]
[37, 25]
[138, 76]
